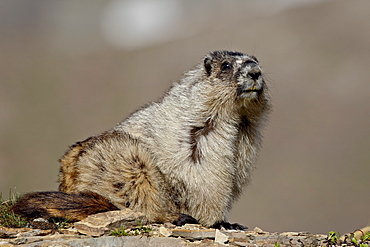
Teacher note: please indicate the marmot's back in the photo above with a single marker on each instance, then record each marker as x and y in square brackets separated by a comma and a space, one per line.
[189, 153]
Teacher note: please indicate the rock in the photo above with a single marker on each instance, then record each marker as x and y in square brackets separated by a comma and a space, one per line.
[44, 240]
[192, 227]
[169, 225]
[237, 234]
[6, 244]
[221, 237]
[102, 223]
[70, 230]
[238, 238]
[41, 220]
[164, 231]
[153, 235]
[356, 234]
[35, 232]
[257, 229]
[194, 234]
[132, 241]
[6, 232]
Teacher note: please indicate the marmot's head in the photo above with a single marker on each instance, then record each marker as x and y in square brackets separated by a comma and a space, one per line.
[237, 71]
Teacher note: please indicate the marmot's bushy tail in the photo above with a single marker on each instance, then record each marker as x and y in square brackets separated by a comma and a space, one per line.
[74, 207]
[54, 204]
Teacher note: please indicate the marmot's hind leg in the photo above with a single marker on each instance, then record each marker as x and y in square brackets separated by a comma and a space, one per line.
[118, 167]
[106, 172]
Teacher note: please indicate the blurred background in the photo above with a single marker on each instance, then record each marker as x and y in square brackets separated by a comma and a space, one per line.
[70, 69]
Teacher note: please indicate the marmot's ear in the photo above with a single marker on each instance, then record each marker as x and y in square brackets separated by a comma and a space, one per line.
[207, 65]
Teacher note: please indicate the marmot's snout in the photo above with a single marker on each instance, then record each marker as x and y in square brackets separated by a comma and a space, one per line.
[255, 72]
[251, 82]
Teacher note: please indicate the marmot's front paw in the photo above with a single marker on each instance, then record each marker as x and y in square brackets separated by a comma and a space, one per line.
[183, 219]
[229, 226]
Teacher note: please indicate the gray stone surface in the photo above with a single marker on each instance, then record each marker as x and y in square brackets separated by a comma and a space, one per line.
[101, 223]
[221, 237]
[159, 235]
[194, 234]
[129, 241]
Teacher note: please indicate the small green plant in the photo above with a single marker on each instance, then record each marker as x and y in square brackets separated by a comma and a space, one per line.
[366, 237]
[59, 224]
[348, 239]
[333, 237]
[364, 245]
[353, 239]
[119, 232]
[142, 230]
[7, 217]
[277, 244]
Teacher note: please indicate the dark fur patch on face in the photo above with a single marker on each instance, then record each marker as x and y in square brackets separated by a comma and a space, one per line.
[221, 54]
[195, 133]
[223, 64]
[226, 70]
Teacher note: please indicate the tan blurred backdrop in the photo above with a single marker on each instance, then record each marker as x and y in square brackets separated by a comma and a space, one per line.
[70, 69]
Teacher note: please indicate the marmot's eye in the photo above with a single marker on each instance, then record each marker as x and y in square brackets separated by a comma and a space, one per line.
[226, 66]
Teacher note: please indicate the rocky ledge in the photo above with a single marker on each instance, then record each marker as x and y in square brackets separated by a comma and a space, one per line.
[127, 228]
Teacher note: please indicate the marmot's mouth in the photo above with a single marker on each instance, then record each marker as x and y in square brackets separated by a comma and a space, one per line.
[252, 90]
[255, 88]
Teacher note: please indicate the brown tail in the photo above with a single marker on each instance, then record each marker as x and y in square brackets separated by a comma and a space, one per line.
[54, 204]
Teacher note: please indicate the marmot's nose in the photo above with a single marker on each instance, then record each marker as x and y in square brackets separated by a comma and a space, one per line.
[255, 73]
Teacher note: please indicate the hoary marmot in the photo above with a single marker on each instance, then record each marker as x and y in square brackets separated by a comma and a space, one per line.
[189, 154]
